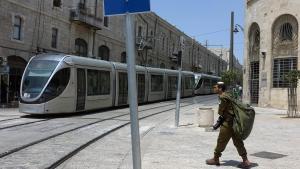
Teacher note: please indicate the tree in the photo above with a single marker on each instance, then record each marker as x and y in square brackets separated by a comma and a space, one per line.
[293, 76]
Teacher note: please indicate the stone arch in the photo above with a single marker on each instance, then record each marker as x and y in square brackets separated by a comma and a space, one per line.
[16, 66]
[254, 42]
[285, 36]
[254, 63]
[284, 49]
[81, 47]
[103, 52]
[123, 57]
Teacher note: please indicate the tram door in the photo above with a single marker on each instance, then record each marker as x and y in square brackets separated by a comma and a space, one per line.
[81, 89]
[123, 89]
[254, 82]
[141, 87]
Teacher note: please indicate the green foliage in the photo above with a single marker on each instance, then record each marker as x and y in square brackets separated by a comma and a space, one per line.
[232, 77]
[293, 76]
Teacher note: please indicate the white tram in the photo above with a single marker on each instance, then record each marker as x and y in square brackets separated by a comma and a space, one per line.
[204, 83]
[57, 83]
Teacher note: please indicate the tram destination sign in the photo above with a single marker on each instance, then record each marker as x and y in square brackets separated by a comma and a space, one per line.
[121, 7]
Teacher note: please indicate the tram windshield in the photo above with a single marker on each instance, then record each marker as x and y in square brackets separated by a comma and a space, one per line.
[36, 76]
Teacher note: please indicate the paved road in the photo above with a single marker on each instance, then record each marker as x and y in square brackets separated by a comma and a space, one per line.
[274, 142]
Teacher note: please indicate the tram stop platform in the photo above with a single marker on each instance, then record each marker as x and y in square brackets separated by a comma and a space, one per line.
[273, 143]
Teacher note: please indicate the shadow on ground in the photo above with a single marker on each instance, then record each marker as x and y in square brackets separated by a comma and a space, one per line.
[234, 163]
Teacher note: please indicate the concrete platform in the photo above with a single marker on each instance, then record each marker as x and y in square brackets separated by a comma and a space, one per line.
[274, 143]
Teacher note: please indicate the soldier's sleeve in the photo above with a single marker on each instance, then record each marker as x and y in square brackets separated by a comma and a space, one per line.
[222, 106]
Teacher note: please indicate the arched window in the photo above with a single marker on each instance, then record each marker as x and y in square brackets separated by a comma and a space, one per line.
[123, 57]
[150, 62]
[81, 47]
[284, 49]
[254, 42]
[103, 52]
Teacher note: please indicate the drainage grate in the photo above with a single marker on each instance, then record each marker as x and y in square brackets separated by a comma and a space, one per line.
[268, 155]
[166, 133]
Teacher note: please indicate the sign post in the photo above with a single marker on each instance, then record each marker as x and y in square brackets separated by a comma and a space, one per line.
[179, 59]
[127, 8]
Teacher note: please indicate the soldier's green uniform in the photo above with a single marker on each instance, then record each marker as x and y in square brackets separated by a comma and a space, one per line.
[226, 130]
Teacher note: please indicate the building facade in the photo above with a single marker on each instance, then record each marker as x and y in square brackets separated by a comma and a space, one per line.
[78, 27]
[223, 53]
[271, 43]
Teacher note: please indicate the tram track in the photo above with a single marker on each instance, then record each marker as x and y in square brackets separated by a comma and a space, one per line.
[37, 121]
[14, 150]
[83, 146]
[75, 151]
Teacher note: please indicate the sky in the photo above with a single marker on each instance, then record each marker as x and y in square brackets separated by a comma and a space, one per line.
[206, 20]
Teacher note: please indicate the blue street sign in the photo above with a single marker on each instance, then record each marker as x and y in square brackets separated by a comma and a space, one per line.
[120, 7]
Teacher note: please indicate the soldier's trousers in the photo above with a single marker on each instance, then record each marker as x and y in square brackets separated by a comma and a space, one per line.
[226, 133]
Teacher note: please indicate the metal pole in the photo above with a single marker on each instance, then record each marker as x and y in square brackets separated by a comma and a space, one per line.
[178, 92]
[132, 93]
[231, 42]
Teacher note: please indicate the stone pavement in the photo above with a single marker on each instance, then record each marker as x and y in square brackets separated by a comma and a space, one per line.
[273, 143]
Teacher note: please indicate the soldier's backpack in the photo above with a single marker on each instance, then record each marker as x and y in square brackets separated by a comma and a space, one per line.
[243, 120]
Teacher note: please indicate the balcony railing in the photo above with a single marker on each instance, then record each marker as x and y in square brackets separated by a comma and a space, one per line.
[81, 16]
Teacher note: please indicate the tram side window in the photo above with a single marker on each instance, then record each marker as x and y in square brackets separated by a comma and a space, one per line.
[57, 84]
[98, 82]
[172, 82]
[156, 83]
[189, 82]
[207, 83]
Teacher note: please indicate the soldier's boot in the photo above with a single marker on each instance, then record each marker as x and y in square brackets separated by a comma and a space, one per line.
[245, 164]
[213, 161]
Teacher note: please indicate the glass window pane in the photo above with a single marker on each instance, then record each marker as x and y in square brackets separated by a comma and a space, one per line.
[156, 83]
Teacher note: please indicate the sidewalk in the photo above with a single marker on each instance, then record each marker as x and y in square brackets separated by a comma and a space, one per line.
[273, 144]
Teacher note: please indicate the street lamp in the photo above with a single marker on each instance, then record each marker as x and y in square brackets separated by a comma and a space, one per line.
[233, 29]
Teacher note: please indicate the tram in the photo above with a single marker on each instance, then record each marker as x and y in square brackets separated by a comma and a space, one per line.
[58, 83]
[204, 83]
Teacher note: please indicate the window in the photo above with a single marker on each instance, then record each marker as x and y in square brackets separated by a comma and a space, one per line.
[172, 83]
[163, 43]
[189, 82]
[156, 83]
[98, 82]
[57, 84]
[17, 28]
[123, 57]
[286, 32]
[105, 21]
[139, 31]
[54, 38]
[103, 53]
[162, 65]
[81, 47]
[281, 67]
[56, 3]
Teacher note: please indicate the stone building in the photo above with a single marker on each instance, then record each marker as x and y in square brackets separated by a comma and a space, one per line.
[223, 53]
[78, 27]
[271, 43]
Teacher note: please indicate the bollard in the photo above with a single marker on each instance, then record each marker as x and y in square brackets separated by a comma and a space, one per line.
[205, 117]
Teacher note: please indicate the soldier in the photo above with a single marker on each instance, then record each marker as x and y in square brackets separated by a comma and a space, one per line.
[226, 131]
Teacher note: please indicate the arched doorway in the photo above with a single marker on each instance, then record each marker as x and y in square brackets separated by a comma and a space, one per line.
[254, 52]
[123, 57]
[103, 52]
[81, 47]
[11, 80]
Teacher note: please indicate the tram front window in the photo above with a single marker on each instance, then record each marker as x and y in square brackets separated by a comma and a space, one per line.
[36, 76]
[57, 85]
